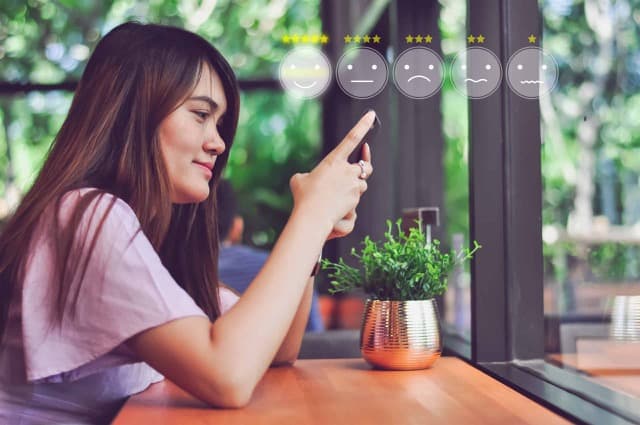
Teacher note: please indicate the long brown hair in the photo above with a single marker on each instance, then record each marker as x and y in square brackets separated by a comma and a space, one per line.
[137, 75]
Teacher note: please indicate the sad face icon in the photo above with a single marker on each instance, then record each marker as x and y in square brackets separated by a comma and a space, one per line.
[531, 72]
[476, 72]
[418, 73]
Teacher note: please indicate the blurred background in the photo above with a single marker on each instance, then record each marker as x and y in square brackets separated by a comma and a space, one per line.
[590, 127]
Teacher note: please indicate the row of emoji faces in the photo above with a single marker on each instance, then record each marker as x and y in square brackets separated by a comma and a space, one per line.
[418, 72]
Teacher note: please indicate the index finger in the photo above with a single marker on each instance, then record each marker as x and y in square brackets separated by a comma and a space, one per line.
[355, 135]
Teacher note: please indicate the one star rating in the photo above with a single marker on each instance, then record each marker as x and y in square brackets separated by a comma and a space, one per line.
[418, 39]
[305, 39]
[365, 39]
[532, 39]
[480, 39]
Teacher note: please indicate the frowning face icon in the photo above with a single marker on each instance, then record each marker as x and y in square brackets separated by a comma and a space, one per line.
[531, 72]
[362, 72]
[476, 72]
[418, 73]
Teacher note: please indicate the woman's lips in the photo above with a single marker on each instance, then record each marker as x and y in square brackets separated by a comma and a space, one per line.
[205, 168]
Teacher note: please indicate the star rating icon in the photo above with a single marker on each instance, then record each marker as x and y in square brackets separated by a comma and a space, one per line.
[357, 39]
[471, 39]
[305, 39]
[532, 39]
[480, 39]
[418, 39]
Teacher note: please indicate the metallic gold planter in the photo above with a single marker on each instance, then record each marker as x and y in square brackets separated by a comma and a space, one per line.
[400, 335]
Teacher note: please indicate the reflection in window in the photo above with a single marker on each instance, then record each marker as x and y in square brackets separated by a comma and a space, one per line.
[591, 195]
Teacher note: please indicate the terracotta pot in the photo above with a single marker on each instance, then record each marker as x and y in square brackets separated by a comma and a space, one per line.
[401, 335]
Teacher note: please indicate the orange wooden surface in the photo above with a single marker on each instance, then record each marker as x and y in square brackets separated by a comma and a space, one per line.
[607, 362]
[348, 391]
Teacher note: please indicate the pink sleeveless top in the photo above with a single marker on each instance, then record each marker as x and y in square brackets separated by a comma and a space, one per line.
[81, 371]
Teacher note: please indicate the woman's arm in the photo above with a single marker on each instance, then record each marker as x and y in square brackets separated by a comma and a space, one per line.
[290, 348]
[221, 363]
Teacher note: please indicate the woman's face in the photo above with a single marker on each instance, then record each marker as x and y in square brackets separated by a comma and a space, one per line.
[190, 141]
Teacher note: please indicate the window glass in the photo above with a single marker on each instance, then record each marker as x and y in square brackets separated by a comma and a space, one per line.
[591, 190]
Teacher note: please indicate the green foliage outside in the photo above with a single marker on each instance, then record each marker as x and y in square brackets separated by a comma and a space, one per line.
[401, 268]
[50, 42]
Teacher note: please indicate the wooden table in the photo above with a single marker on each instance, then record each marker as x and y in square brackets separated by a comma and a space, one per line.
[349, 391]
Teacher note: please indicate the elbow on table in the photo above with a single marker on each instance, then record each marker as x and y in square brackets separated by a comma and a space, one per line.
[232, 394]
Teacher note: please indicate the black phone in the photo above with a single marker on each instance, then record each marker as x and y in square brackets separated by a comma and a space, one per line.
[356, 155]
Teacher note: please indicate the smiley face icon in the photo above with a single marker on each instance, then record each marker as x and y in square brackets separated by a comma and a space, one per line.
[362, 72]
[476, 72]
[418, 72]
[305, 72]
[531, 72]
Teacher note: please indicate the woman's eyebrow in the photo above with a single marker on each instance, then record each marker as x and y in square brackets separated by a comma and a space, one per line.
[212, 103]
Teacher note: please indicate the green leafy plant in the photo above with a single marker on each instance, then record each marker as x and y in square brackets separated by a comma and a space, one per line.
[401, 268]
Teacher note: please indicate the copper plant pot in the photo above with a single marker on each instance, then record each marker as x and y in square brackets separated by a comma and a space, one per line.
[401, 335]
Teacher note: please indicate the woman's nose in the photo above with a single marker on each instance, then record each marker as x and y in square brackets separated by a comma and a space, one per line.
[215, 145]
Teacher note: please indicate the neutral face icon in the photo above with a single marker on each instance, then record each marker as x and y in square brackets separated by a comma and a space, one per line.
[476, 72]
[531, 72]
[418, 72]
[362, 72]
[305, 72]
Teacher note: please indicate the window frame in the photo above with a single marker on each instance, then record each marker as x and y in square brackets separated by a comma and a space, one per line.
[505, 213]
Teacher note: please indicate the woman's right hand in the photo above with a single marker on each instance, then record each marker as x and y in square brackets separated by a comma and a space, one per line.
[332, 190]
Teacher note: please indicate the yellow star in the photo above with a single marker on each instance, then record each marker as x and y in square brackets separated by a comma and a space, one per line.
[286, 39]
[295, 38]
[532, 39]
[418, 38]
[376, 38]
[366, 39]
[480, 38]
[305, 38]
[471, 39]
[315, 39]
[324, 39]
[347, 39]
[428, 38]
[409, 39]
[356, 39]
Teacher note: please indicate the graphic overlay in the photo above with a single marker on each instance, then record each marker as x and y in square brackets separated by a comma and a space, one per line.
[476, 72]
[531, 72]
[418, 72]
[305, 72]
[362, 72]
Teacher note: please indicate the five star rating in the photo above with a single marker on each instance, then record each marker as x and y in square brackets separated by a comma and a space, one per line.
[305, 39]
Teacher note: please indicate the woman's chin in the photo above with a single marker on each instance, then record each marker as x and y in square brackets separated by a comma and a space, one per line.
[193, 196]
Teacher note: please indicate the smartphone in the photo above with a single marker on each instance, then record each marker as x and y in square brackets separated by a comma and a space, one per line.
[356, 155]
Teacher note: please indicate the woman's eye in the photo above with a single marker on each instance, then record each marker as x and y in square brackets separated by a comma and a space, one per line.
[202, 115]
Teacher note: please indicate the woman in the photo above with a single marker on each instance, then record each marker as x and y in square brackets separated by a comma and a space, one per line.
[109, 263]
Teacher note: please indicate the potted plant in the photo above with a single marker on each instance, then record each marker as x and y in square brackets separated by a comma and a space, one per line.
[401, 276]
